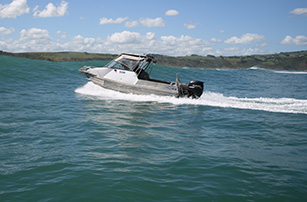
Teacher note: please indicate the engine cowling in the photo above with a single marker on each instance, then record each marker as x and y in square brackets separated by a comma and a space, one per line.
[195, 89]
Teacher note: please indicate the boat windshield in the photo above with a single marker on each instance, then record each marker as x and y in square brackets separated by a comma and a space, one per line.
[128, 62]
[117, 65]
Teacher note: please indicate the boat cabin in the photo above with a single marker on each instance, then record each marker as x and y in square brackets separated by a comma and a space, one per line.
[140, 64]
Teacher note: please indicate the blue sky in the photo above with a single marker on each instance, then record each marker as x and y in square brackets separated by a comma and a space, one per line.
[169, 27]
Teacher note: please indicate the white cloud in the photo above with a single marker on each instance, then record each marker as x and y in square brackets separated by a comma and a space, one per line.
[299, 11]
[34, 34]
[190, 26]
[238, 51]
[119, 20]
[247, 38]
[51, 10]
[215, 40]
[150, 35]
[36, 39]
[5, 31]
[171, 12]
[132, 23]
[133, 42]
[125, 37]
[149, 22]
[33, 39]
[169, 45]
[80, 43]
[83, 40]
[14, 9]
[62, 35]
[183, 45]
[298, 40]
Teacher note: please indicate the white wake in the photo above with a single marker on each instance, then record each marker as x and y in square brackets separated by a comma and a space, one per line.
[285, 105]
[290, 72]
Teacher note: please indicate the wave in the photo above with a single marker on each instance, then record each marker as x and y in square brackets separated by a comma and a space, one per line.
[290, 72]
[283, 105]
[256, 68]
[279, 71]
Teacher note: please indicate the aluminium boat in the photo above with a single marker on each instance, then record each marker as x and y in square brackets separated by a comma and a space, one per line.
[130, 73]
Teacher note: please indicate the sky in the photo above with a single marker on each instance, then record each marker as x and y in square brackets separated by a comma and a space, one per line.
[167, 27]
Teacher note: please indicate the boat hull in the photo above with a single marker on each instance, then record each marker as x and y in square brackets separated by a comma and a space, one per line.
[141, 87]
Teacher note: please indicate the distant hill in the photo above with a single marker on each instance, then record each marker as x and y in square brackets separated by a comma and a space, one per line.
[280, 61]
[61, 56]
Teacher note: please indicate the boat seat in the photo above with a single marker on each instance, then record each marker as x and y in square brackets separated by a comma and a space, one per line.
[143, 75]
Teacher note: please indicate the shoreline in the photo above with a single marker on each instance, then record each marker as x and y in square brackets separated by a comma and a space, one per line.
[290, 61]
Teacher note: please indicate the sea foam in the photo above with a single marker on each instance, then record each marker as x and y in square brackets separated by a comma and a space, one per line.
[290, 72]
[283, 105]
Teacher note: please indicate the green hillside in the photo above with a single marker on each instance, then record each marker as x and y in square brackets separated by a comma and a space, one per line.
[280, 61]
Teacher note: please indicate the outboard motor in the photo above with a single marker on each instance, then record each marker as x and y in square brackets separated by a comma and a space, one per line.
[195, 89]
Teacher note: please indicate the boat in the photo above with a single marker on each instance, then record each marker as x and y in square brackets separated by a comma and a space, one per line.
[130, 73]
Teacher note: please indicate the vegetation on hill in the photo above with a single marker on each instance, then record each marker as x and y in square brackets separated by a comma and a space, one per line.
[279, 61]
[61, 56]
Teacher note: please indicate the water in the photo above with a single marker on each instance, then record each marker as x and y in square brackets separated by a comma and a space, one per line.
[64, 139]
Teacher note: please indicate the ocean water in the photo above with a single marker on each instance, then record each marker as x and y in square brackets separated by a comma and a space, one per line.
[63, 138]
